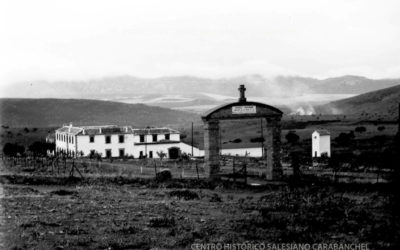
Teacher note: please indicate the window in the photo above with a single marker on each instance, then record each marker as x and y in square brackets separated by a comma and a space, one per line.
[121, 139]
[121, 152]
[154, 138]
[141, 138]
[92, 152]
[72, 140]
[108, 153]
[108, 139]
[150, 154]
[141, 154]
[91, 138]
[64, 139]
[167, 137]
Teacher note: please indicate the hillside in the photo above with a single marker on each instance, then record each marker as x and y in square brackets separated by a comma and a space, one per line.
[127, 87]
[382, 102]
[54, 112]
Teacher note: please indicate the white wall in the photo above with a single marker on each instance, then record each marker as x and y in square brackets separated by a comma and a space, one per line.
[320, 144]
[185, 148]
[100, 146]
[160, 137]
[253, 152]
[68, 145]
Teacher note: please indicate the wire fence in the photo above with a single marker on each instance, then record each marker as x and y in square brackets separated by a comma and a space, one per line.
[85, 167]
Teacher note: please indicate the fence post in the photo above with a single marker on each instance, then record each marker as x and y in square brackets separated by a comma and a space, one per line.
[197, 170]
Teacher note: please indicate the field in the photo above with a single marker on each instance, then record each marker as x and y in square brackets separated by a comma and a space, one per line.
[107, 213]
[120, 205]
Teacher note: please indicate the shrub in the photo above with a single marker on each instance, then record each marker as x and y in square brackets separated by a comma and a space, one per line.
[164, 175]
[257, 139]
[11, 149]
[292, 137]
[381, 128]
[237, 140]
[360, 129]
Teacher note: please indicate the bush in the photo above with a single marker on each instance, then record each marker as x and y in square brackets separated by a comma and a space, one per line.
[164, 175]
[11, 149]
[381, 128]
[40, 148]
[257, 139]
[292, 137]
[360, 129]
[237, 140]
[344, 138]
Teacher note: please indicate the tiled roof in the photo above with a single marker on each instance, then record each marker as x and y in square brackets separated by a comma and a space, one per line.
[322, 132]
[72, 130]
[106, 130]
[149, 131]
[113, 129]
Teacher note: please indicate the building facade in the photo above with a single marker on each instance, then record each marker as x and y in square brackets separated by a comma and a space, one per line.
[321, 143]
[121, 141]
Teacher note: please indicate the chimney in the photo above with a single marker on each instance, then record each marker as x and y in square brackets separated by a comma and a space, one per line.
[99, 130]
[83, 131]
[126, 129]
[70, 127]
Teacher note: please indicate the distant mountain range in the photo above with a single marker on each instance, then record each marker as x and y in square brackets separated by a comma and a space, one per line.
[380, 102]
[199, 94]
[113, 88]
[55, 112]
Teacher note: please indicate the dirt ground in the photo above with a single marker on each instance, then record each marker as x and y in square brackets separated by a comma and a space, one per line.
[177, 214]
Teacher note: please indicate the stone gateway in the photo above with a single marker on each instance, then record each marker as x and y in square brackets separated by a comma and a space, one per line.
[244, 110]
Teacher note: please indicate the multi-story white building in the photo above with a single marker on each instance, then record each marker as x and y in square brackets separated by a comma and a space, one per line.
[321, 143]
[116, 141]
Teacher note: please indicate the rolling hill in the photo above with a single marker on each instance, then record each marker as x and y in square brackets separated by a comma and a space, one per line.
[55, 112]
[122, 88]
[382, 102]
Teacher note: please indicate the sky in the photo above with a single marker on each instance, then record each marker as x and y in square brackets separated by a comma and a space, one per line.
[79, 40]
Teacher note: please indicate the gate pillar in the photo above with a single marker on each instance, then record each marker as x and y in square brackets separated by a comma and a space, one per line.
[211, 147]
[273, 149]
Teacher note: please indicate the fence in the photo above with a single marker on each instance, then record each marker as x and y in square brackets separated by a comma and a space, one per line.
[84, 167]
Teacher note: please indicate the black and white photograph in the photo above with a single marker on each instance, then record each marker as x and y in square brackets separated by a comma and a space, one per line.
[200, 125]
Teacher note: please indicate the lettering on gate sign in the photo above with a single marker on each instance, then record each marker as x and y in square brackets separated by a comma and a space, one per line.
[244, 109]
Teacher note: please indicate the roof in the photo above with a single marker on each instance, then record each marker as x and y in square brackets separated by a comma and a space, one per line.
[72, 130]
[322, 132]
[113, 129]
[148, 131]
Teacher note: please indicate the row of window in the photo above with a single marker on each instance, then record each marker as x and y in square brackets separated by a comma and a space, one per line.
[65, 138]
[154, 137]
[121, 138]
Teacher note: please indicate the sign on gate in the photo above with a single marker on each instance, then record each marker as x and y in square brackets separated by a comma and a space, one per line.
[244, 109]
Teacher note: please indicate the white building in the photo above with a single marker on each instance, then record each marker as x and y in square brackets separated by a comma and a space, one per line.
[321, 143]
[115, 141]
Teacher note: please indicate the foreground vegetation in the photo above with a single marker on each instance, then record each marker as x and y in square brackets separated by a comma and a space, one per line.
[141, 214]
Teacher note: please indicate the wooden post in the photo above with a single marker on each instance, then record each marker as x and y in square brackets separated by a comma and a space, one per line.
[197, 170]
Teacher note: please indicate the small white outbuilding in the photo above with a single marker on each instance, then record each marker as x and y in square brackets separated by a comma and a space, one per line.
[321, 143]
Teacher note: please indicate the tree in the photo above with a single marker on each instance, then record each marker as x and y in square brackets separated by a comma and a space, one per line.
[11, 149]
[292, 137]
[161, 154]
[360, 129]
[41, 148]
[343, 138]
